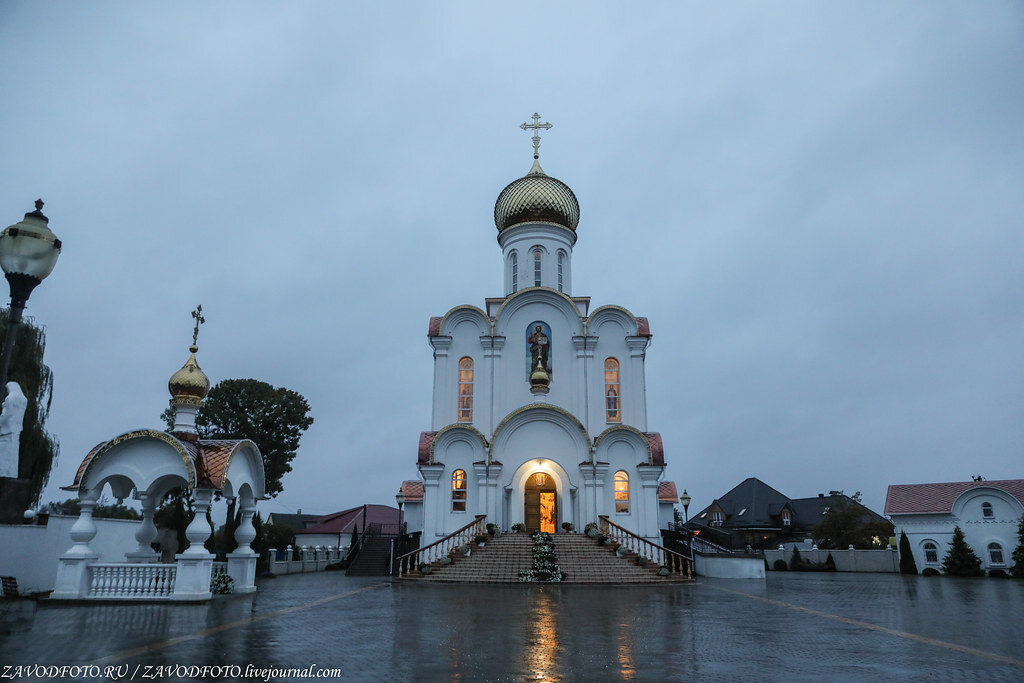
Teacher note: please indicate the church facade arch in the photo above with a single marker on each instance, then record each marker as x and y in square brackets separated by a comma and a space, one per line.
[142, 457]
[465, 314]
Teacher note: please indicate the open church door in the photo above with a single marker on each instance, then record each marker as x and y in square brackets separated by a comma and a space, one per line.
[540, 504]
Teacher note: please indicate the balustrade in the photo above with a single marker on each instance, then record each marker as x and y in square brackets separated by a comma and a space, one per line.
[134, 581]
[641, 546]
[435, 551]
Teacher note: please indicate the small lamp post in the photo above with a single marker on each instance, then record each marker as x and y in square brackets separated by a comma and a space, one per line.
[400, 499]
[685, 500]
[28, 253]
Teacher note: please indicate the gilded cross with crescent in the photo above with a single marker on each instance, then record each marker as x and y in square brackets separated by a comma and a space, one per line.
[536, 127]
[198, 315]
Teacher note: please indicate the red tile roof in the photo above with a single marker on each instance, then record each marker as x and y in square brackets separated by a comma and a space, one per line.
[423, 454]
[81, 468]
[918, 498]
[343, 522]
[643, 328]
[413, 491]
[657, 447]
[667, 492]
[434, 328]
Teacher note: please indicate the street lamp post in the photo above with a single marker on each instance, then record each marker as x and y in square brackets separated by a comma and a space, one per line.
[685, 500]
[28, 253]
[400, 499]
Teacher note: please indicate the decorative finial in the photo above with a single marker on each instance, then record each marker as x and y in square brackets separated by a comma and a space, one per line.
[535, 127]
[39, 205]
[198, 315]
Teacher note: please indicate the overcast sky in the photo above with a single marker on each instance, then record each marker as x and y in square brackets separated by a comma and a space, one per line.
[817, 205]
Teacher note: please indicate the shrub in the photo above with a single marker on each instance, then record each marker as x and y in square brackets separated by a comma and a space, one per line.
[830, 563]
[998, 574]
[518, 527]
[797, 562]
[961, 559]
[1017, 571]
[780, 566]
[222, 584]
[928, 571]
[480, 538]
[907, 563]
[492, 529]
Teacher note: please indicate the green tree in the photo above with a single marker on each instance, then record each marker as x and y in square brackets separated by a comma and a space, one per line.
[847, 523]
[1018, 554]
[907, 563]
[272, 417]
[38, 449]
[104, 509]
[961, 559]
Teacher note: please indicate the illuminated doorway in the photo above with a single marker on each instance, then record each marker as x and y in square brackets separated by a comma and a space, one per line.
[541, 504]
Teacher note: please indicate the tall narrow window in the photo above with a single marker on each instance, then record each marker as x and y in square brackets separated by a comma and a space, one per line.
[986, 510]
[621, 491]
[995, 553]
[561, 271]
[787, 518]
[536, 267]
[931, 552]
[612, 399]
[515, 272]
[459, 491]
[466, 389]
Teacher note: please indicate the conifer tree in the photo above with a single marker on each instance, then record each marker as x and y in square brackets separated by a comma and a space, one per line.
[907, 563]
[1018, 554]
[961, 559]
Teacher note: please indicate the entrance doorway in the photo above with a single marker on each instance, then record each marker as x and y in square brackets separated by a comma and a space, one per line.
[541, 503]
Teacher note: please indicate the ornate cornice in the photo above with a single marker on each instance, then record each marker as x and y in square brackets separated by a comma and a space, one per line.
[186, 458]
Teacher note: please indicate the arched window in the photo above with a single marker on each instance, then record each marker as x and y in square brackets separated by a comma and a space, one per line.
[536, 266]
[787, 518]
[612, 399]
[561, 270]
[986, 510]
[466, 389]
[931, 552]
[459, 491]
[621, 491]
[995, 553]
[515, 271]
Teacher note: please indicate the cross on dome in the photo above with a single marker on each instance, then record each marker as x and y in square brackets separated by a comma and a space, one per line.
[198, 315]
[536, 127]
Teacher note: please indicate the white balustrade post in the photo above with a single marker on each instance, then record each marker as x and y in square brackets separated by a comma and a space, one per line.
[242, 562]
[73, 577]
[195, 565]
[146, 533]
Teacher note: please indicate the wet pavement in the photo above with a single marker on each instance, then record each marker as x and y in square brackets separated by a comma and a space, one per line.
[791, 626]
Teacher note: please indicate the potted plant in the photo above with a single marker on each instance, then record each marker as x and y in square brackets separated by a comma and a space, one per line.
[568, 527]
[518, 527]
[425, 568]
[492, 529]
[591, 529]
[480, 540]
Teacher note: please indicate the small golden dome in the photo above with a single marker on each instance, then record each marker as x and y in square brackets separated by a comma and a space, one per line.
[189, 384]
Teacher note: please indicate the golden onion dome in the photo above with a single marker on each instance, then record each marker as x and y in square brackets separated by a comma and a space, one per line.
[189, 384]
[536, 198]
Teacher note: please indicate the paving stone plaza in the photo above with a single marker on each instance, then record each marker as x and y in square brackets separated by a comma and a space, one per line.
[789, 627]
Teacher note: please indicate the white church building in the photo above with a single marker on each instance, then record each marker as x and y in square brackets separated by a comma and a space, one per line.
[539, 405]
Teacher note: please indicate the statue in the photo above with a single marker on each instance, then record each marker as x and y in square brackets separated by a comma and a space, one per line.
[12, 417]
[539, 344]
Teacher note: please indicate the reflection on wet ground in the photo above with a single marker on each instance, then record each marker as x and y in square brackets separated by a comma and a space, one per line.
[792, 626]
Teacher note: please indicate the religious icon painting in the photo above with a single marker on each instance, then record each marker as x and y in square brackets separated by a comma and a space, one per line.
[538, 345]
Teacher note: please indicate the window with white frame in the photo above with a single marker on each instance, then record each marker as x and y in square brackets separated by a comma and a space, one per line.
[514, 259]
[466, 389]
[931, 552]
[536, 266]
[561, 270]
[459, 491]
[787, 518]
[716, 518]
[995, 553]
[986, 511]
[612, 399]
[621, 491]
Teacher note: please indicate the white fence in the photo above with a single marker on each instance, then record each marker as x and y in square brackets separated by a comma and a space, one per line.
[846, 560]
[304, 559]
[29, 552]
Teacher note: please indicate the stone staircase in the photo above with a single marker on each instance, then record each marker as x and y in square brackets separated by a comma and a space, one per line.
[579, 556]
[372, 559]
